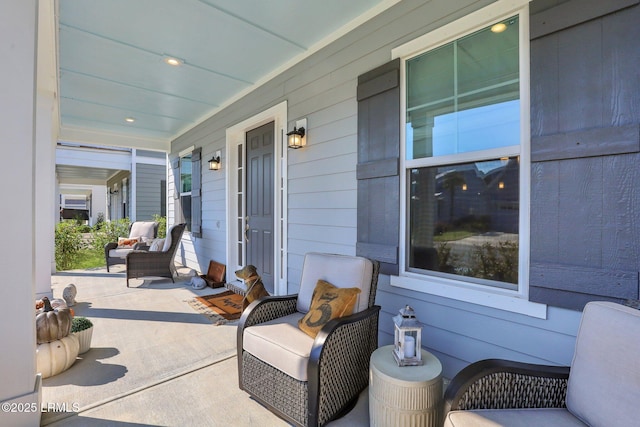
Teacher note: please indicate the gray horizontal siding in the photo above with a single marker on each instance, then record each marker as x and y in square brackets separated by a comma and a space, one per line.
[322, 193]
[149, 190]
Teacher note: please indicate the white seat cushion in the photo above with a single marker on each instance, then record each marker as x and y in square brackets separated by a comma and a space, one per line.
[341, 271]
[512, 418]
[281, 344]
[119, 252]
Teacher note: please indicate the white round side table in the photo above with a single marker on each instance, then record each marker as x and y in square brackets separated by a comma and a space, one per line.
[404, 396]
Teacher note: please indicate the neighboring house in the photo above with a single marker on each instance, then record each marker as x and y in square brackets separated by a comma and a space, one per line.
[424, 124]
[117, 182]
[145, 184]
[77, 206]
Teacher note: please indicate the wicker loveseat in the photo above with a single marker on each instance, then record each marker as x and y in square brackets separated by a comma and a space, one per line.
[146, 230]
[156, 263]
[601, 388]
[308, 381]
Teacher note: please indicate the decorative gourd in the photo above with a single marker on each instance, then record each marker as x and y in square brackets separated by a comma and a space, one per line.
[52, 324]
[56, 356]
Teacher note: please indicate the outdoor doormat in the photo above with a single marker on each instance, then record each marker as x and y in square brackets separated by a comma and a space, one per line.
[219, 308]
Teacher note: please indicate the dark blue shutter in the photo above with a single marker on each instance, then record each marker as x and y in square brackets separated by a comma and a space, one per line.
[378, 165]
[585, 143]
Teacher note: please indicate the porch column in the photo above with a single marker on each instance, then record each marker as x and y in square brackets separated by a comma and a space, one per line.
[46, 205]
[133, 187]
[18, 20]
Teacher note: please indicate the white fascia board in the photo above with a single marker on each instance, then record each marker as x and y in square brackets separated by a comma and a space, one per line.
[85, 136]
[93, 158]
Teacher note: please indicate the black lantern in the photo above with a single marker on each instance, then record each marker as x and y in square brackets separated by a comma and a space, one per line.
[215, 163]
[295, 138]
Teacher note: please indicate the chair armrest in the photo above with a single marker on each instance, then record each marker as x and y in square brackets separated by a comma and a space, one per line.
[136, 253]
[107, 249]
[502, 384]
[260, 311]
[342, 349]
[141, 247]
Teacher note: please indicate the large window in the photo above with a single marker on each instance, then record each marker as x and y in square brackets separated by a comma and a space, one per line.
[463, 158]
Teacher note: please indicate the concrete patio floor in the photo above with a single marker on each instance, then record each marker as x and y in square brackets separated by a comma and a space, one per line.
[154, 361]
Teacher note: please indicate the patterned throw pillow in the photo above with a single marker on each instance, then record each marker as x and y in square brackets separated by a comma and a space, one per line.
[126, 242]
[328, 302]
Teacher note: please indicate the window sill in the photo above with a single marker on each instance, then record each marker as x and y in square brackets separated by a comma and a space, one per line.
[483, 297]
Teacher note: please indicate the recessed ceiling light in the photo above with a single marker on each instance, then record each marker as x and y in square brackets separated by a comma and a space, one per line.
[129, 119]
[499, 27]
[173, 61]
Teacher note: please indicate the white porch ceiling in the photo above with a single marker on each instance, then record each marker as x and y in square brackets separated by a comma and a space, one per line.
[110, 59]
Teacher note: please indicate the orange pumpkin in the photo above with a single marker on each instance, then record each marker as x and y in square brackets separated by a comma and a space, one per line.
[52, 324]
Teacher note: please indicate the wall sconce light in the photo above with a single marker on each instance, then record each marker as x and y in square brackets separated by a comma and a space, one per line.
[296, 138]
[215, 163]
[113, 191]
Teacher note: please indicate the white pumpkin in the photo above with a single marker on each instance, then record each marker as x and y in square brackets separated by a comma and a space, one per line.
[56, 356]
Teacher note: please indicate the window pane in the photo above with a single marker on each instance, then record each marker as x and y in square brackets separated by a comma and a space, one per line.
[464, 218]
[464, 96]
[185, 202]
[185, 174]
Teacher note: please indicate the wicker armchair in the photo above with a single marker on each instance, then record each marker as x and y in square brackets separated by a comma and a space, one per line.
[330, 370]
[115, 255]
[601, 388]
[158, 264]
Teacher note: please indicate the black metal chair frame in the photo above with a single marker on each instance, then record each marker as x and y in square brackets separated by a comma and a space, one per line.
[506, 384]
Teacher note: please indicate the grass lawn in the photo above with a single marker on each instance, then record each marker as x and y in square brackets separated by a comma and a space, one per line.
[90, 258]
[449, 236]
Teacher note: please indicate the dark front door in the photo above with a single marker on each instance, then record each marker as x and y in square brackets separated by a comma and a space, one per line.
[260, 205]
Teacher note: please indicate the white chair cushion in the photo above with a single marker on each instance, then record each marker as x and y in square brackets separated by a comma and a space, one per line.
[156, 245]
[604, 383]
[512, 417]
[341, 271]
[281, 344]
[142, 229]
[167, 239]
[119, 252]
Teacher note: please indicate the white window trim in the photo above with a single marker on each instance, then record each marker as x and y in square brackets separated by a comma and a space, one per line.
[494, 297]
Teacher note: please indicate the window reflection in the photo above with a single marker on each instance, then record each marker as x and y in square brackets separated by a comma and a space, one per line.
[464, 219]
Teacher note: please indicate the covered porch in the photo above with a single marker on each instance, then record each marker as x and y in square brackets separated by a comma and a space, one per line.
[575, 154]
